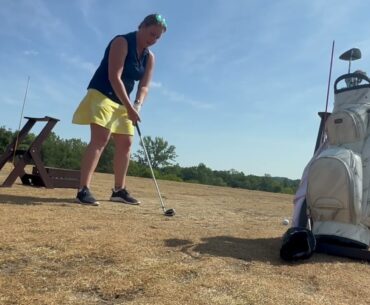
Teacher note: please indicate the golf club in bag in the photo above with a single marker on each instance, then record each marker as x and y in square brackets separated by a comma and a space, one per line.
[166, 212]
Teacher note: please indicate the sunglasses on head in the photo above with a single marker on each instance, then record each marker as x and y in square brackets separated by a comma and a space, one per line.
[161, 20]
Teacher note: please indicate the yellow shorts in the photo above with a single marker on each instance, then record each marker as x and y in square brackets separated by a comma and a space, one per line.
[96, 108]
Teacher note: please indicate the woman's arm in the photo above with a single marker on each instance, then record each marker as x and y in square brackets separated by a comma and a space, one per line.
[143, 87]
[116, 59]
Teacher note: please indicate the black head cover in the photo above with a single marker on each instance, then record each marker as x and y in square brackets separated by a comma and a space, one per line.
[298, 243]
[352, 54]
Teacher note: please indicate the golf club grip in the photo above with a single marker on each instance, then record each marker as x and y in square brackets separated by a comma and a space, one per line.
[138, 129]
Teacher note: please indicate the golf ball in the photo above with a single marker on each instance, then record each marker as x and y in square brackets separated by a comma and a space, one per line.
[285, 221]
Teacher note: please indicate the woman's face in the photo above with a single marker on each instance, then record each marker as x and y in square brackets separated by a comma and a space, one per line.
[150, 34]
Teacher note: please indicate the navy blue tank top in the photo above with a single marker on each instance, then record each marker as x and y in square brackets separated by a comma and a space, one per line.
[133, 69]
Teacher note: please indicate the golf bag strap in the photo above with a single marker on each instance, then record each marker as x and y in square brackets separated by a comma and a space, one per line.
[349, 252]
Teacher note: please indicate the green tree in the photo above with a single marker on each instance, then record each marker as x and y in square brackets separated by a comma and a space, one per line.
[160, 152]
[57, 152]
[6, 136]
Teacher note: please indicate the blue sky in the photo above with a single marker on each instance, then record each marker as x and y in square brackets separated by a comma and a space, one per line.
[237, 83]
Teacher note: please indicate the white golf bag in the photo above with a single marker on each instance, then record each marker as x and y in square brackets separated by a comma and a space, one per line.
[332, 204]
[338, 178]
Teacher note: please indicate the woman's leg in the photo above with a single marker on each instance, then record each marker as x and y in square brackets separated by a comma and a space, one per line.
[121, 158]
[99, 139]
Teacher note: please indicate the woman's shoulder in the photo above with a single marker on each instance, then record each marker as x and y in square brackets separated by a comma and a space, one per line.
[119, 37]
[118, 40]
[128, 36]
[129, 39]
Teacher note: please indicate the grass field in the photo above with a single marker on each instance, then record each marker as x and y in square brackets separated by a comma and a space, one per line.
[222, 247]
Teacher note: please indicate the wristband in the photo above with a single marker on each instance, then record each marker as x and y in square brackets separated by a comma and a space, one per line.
[137, 105]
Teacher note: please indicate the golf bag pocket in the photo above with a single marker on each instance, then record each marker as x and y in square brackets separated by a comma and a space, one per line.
[347, 126]
[334, 190]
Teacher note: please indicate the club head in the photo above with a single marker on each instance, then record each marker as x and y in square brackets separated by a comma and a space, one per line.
[351, 54]
[170, 212]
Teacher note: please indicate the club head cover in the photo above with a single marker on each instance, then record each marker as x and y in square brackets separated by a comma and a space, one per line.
[298, 243]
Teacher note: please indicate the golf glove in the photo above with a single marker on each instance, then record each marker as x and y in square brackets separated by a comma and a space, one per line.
[137, 106]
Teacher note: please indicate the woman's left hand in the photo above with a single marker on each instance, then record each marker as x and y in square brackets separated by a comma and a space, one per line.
[133, 115]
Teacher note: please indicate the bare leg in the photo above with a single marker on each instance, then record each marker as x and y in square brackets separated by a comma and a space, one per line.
[99, 139]
[121, 158]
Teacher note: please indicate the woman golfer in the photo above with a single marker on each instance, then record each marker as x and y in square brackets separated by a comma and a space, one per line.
[108, 109]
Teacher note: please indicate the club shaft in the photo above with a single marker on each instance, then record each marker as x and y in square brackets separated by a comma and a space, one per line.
[20, 119]
[151, 168]
[329, 81]
[324, 118]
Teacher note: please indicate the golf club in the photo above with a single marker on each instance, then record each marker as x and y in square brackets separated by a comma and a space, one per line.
[167, 212]
[351, 55]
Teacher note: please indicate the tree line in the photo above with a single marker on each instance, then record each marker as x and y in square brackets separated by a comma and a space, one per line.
[67, 153]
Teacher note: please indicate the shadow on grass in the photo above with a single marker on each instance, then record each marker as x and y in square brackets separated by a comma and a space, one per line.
[259, 249]
[29, 200]
[225, 246]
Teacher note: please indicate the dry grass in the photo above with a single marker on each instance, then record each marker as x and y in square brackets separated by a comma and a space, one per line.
[221, 248]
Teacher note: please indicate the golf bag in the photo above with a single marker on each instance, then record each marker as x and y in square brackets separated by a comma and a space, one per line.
[332, 204]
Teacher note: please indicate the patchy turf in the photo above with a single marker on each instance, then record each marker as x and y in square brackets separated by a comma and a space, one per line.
[222, 247]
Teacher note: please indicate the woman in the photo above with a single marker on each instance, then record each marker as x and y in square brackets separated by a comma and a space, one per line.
[107, 107]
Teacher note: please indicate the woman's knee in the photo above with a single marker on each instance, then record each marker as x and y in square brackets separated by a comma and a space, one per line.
[123, 143]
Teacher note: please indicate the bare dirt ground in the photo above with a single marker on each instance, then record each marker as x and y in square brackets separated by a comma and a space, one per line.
[222, 247]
